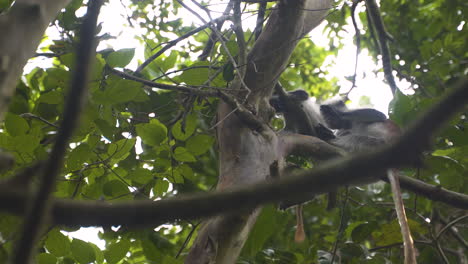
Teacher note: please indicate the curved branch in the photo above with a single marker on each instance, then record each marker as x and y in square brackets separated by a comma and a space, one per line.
[241, 111]
[434, 193]
[323, 179]
[40, 205]
[382, 36]
[308, 146]
[449, 225]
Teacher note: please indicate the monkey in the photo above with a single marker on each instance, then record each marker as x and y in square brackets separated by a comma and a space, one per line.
[362, 129]
[356, 130]
[302, 116]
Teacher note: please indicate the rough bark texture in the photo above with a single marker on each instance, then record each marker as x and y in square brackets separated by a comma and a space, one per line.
[21, 30]
[247, 157]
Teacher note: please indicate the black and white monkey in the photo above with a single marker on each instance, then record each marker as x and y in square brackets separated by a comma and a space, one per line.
[355, 131]
[363, 129]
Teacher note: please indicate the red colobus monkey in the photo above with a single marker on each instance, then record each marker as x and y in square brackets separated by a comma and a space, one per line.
[360, 130]
[355, 130]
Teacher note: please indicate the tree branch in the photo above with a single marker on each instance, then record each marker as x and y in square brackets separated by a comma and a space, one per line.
[25, 21]
[172, 43]
[434, 193]
[241, 111]
[308, 146]
[212, 39]
[260, 19]
[382, 36]
[318, 180]
[39, 207]
[323, 179]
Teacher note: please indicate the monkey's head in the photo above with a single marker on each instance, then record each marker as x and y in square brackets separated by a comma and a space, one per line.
[280, 103]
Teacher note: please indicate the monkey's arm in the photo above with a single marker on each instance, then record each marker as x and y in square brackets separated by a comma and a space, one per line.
[339, 119]
[365, 115]
[356, 143]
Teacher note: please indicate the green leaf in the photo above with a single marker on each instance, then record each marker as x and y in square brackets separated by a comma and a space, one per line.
[160, 187]
[122, 91]
[232, 47]
[151, 252]
[99, 254]
[52, 97]
[4, 4]
[186, 171]
[120, 58]
[57, 243]
[117, 251]
[140, 176]
[176, 177]
[268, 223]
[82, 251]
[401, 108]
[106, 129]
[166, 63]
[121, 149]
[449, 171]
[196, 75]
[199, 144]
[78, 157]
[182, 133]
[25, 143]
[161, 65]
[115, 188]
[46, 258]
[153, 133]
[228, 72]
[182, 154]
[363, 231]
[388, 234]
[119, 91]
[16, 125]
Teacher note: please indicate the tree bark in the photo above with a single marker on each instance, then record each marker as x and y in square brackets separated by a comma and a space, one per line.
[246, 156]
[22, 28]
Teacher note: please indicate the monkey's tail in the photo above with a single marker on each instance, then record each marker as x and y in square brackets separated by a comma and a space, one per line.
[410, 252]
[299, 236]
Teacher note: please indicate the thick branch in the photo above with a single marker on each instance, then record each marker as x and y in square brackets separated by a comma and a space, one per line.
[323, 179]
[308, 146]
[25, 21]
[40, 205]
[433, 192]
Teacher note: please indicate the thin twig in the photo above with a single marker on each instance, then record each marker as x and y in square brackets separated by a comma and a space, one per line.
[212, 39]
[358, 45]
[187, 239]
[29, 115]
[243, 113]
[260, 19]
[223, 44]
[172, 43]
[242, 55]
[450, 225]
[455, 233]
[342, 225]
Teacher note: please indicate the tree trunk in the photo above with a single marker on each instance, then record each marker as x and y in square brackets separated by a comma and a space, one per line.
[22, 28]
[247, 156]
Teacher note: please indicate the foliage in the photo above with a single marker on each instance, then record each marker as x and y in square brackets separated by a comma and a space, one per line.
[136, 143]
